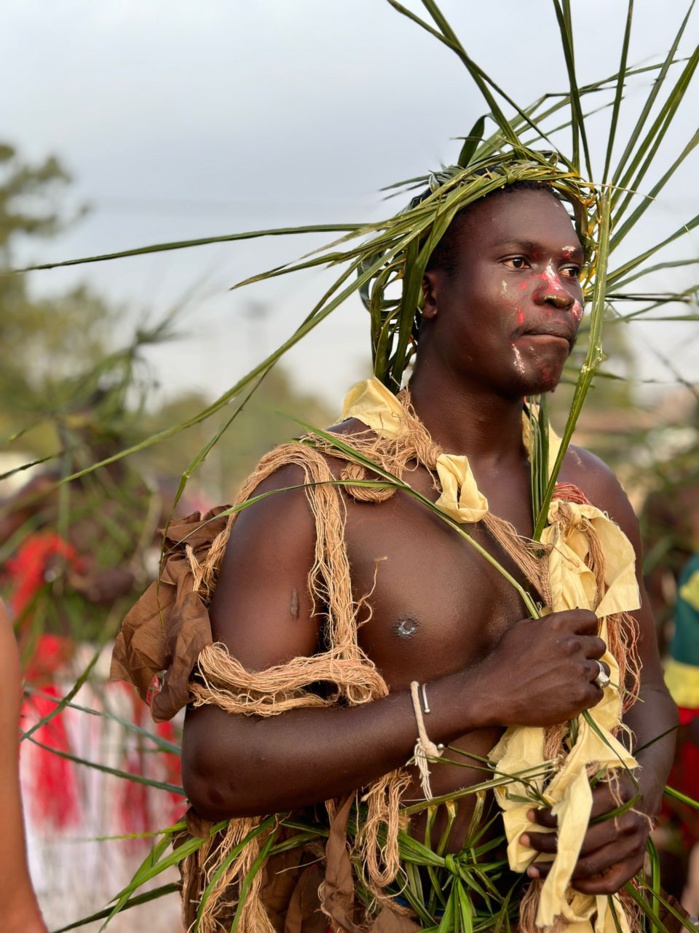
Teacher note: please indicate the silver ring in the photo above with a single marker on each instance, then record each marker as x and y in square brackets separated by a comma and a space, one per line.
[603, 678]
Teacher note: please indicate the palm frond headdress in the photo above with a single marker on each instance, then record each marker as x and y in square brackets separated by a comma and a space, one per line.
[407, 241]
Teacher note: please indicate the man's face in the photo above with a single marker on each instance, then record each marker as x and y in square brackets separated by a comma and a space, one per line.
[507, 318]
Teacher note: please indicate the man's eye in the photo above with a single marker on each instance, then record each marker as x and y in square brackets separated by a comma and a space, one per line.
[516, 262]
[572, 272]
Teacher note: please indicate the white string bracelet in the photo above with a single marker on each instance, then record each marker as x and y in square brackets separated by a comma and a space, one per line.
[425, 748]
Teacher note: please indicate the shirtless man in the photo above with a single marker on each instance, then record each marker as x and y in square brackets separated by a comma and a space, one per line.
[440, 614]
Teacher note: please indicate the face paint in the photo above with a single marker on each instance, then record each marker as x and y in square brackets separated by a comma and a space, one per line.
[549, 275]
[512, 283]
[519, 362]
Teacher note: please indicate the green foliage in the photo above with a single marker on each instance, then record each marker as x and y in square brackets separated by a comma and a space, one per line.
[261, 425]
[44, 342]
[28, 196]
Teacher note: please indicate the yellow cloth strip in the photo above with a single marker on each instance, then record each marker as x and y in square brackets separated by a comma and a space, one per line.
[689, 591]
[683, 683]
[376, 407]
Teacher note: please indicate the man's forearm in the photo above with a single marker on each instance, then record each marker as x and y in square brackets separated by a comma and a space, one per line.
[235, 765]
[653, 720]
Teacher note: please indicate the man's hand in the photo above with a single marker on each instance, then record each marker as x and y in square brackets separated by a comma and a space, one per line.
[542, 672]
[613, 849]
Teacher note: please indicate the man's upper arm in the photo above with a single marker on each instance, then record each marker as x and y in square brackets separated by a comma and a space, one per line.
[261, 609]
[604, 491]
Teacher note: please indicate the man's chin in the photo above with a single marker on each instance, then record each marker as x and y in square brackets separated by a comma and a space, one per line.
[542, 384]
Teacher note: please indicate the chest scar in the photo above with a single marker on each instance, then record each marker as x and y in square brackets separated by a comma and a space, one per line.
[406, 627]
[294, 603]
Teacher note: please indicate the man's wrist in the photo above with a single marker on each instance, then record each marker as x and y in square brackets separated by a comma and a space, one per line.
[651, 790]
[471, 696]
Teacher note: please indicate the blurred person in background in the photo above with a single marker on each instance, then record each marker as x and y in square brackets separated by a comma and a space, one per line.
[680, 823]
[20, 912]
[72, 554]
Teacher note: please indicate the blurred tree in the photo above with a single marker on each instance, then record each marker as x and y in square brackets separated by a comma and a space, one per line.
[59, 367]
[28, 198]
[611, 410]
[43, 341]
[260, 426]
[613, 386]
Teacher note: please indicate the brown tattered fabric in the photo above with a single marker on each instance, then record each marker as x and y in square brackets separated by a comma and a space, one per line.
[164, 633]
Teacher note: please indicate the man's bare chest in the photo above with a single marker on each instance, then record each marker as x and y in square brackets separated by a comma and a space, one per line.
[430, 603]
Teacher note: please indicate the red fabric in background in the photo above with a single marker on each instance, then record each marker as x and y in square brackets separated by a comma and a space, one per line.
[28, 567]
[684, 778]
[55, 797]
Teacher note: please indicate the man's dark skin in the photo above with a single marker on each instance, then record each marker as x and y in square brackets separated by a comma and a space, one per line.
[496, 329]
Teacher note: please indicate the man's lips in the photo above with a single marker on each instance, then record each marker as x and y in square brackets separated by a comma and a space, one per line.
[562, 332]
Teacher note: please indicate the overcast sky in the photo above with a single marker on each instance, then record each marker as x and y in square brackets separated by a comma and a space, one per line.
[181, 120]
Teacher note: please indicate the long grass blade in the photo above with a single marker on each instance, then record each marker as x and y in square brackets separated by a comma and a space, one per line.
[634, 263]
[188, 244]
[134, 901]
[648, 148]
[446, 35]
[592, 361]
[105, 769]
[565, 28]
[335, 441]
[127, 724]
[619, 92]
[650, 101]
[64, 701]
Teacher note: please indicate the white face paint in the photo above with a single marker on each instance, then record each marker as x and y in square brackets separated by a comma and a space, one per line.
[550, 275]
[519, 362]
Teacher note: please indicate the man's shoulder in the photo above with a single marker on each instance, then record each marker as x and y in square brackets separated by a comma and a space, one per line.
[582, 465]
[286, 474]
[350, 427]
[599, 483]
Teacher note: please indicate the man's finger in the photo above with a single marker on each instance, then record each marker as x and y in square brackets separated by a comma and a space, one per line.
[603, 801]
[598, 836]
[601, 863]
[542, 842]
[539, 869]
[611, 881]
[543, 817]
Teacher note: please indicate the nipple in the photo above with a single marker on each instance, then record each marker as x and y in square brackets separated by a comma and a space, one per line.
[406, 627]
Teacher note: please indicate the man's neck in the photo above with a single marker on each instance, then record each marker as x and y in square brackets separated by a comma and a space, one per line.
[483, 426]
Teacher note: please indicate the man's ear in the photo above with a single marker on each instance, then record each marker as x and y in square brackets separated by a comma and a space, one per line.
[429, 291]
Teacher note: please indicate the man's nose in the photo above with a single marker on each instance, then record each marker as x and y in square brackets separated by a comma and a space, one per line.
[552, 291]
[559, 299]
